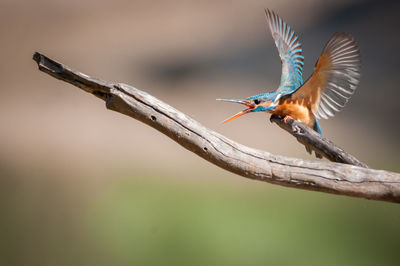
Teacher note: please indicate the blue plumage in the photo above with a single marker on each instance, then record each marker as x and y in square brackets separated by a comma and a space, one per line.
[290, 52]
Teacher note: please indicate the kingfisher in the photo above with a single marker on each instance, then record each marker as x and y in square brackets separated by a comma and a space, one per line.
[334, 80]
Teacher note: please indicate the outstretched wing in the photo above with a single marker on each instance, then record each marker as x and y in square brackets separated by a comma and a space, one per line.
[290, 50]
[335, 78]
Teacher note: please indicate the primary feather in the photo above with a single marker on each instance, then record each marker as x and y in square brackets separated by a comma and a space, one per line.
[335, 78]
[290, 52]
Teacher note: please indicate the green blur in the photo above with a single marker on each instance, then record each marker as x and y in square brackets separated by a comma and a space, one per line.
[141, 219]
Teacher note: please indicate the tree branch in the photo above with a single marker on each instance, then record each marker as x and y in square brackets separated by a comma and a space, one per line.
[316, 142]
[321, 176]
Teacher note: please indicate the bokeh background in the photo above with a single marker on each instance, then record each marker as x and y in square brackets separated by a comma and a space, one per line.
[81, 185]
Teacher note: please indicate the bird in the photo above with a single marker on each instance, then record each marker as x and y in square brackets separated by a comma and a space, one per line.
[334, 80]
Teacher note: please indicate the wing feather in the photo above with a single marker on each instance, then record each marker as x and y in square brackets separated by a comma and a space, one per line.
[335, 78]
[290, 52]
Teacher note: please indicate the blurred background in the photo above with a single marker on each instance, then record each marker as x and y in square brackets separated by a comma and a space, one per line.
[81, 185]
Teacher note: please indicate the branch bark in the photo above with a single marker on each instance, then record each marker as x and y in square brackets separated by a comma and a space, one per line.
[316, 142]
[320, 176]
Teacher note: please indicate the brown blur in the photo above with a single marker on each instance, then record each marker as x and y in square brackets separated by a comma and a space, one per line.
[72, 171]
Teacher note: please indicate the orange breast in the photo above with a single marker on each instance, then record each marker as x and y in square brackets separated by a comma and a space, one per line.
[299, 110]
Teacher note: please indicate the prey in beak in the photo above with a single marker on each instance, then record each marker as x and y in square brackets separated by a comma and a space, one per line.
[248, 103]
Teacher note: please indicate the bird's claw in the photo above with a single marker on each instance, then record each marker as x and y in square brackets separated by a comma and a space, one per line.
[287, 118]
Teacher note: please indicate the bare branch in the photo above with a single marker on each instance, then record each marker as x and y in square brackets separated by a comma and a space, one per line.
[316, 142]
[321, 176]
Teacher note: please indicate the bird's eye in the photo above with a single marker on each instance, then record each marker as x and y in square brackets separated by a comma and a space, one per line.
[256, 101]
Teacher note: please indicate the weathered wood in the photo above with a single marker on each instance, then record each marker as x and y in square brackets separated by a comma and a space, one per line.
[321, 176]
[321, 145]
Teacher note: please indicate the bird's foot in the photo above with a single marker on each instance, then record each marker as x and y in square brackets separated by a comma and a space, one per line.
[286, 118]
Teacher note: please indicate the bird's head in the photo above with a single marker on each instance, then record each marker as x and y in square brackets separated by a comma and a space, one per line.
[257, 103]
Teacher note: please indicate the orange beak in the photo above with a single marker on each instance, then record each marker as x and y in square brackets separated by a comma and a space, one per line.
[245, 102]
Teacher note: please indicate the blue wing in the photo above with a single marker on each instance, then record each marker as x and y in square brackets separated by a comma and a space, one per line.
[290, 50]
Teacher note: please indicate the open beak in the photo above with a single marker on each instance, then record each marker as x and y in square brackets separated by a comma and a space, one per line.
[244, 102]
